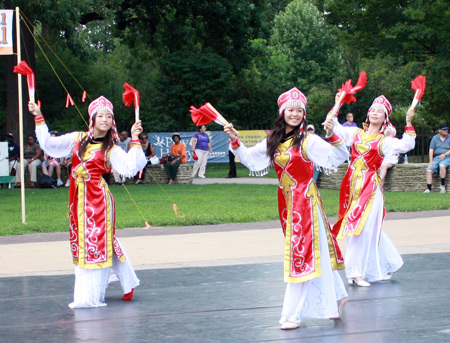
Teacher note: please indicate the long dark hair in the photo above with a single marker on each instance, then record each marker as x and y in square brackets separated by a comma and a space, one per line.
[108, 142]
[279, 132]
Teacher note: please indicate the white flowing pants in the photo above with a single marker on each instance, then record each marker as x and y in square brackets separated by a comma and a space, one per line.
[90, 284]
[372, 255]
[316, 298]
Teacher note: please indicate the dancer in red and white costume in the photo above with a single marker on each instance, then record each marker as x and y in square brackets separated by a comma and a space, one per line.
[98, 256]
[370, 254]
[311, 254]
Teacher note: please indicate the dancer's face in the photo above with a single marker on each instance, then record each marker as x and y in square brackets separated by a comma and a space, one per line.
[376, 114]
[293, 116]
[103, 123]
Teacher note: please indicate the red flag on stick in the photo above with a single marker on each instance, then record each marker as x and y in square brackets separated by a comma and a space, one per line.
[131, 95]
[206, 114]
[69, 100]
[348, 91]
[418, 84]
[24, 69]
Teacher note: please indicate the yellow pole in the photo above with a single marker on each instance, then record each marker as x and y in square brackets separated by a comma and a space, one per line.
[19, 85]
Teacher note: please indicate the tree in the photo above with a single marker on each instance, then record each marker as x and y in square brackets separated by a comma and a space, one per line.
[313, 55]
[59, 21]
[413, 35]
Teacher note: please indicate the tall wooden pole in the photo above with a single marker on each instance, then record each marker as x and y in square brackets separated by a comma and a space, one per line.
[19, 85]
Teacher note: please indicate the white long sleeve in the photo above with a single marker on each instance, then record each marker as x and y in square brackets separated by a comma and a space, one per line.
[127, 163]
[347, 134]
[394, 146]
[324, 154]
[390, 146]
[60, 146]
[320, 152]
[254, 158]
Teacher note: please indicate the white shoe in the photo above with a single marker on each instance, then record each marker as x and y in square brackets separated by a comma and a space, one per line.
[67, 183]
[426, 191]
[202, 177]
[442, 189]
[59, 183]
[289, 325]
[360, 283]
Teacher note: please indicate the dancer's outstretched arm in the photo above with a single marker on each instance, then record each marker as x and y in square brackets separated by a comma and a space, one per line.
[60, 146]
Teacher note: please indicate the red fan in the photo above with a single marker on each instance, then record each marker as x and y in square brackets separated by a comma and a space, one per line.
[24, 69]
[348, 91]
[418, 84]
[206, 114]
[131, 95]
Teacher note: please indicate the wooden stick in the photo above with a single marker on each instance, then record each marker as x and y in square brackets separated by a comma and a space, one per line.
[136, 110]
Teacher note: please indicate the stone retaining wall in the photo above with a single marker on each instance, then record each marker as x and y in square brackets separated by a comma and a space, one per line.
[155, 174]
[400, 178]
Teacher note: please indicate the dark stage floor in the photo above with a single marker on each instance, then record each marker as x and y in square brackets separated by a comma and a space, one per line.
[228, 304]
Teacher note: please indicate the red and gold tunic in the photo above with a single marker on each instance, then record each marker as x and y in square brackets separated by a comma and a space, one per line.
[91, 204]
[300, 207]
[358, 189]
[91, 210]
[359, 184]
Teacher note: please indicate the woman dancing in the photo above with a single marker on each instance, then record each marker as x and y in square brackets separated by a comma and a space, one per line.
[370, 254]
[97, 253]
[311, 254]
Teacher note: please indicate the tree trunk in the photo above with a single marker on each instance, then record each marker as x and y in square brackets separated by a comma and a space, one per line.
[12, 103]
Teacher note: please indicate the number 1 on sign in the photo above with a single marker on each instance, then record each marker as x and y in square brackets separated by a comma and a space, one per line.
[4, 40]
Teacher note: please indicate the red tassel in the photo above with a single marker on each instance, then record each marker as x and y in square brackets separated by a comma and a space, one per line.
[419, 85]
[69, 100]
[83, 97]
[131, 95]
[362, 82]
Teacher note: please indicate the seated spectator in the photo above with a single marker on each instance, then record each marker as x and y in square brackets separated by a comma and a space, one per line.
[349, 120]
[439, 157]
[66, 162]
[388, 161]
[13, 154]
[32, 158]
[177, 155]
[149, 152]
[48, 165]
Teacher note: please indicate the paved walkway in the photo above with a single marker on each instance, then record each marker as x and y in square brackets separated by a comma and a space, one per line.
[209, 245]
[238, 180]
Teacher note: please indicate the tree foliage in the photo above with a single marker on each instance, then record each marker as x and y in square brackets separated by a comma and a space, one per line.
[413, 36]
[238, 54]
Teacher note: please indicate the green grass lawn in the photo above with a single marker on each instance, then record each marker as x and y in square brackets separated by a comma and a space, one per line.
[47, 209]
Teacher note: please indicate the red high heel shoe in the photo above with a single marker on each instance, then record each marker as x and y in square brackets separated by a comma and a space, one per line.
[128, 296]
